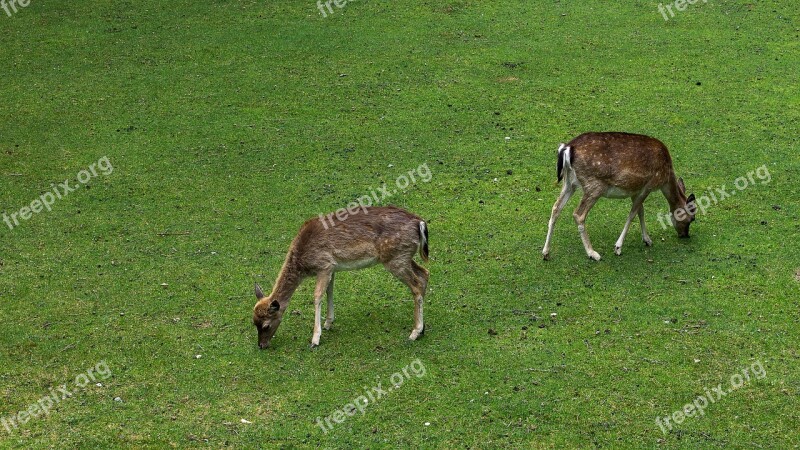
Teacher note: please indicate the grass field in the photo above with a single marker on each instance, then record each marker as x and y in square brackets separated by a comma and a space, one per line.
[216, 128]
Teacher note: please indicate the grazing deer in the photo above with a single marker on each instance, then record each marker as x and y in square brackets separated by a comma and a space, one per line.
[387, 235]
[618, 165]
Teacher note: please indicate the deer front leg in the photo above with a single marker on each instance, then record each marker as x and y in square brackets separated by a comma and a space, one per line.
[587, 202]
[329, 317]
[638, 205]
[562, 200]
[645, 237]
[323, 278]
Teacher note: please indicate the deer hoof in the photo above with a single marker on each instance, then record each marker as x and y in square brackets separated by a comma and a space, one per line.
[327, 326]
[415, 335]
[594, 256]
[546, 256]
[648, 242]
[618, 250]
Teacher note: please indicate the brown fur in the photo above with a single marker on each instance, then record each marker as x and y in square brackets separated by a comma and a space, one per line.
[630, 162]
[386, 235]
[618, 165]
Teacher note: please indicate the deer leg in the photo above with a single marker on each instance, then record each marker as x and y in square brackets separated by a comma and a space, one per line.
[323, 279]
[405, 271]
[422, 276]
[587, 202]
[329, 317]
[638, 203]
[645, 237]
[563, 198]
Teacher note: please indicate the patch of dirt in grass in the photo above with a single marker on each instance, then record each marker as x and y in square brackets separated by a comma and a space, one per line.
[507, 79]
[797, 275]
[512, 65]
[454, 7]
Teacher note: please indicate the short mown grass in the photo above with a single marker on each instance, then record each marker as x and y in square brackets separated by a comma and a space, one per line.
[228, 123]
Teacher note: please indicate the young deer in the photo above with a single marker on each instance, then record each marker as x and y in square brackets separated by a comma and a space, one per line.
[387, 235]
[618, 165]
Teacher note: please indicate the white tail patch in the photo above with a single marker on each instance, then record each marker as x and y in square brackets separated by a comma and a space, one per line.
[423, 240]
[567, 158]
[564, 164]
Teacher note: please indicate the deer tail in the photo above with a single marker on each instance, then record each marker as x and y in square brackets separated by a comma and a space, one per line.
[423, 240]
[564, 153]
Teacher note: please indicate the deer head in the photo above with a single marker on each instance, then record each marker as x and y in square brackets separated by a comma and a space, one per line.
[267, 316]
[683, 216]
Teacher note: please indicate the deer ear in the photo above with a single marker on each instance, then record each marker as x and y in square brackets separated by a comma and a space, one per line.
[274, 306]
[690, 205]
[259, 293]
[681, 185]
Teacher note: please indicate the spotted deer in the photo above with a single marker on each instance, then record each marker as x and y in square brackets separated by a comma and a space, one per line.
[387, 235]
[618, 165]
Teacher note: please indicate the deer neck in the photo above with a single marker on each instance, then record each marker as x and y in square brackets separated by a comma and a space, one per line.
[675, 198]
[288, 281]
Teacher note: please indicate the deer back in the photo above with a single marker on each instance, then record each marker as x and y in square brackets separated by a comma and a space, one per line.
[620, 164]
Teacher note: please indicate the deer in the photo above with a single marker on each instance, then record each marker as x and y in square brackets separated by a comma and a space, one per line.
[618, 165]
[387, 235]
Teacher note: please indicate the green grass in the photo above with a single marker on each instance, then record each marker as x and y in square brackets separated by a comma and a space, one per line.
[228, 123]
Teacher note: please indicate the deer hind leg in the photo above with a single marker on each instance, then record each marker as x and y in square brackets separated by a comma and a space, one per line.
[645, 237]
[323, 279]
[638, 205]
[416, 278]
[329, 316]
[422, 275]
[587, 202]
[563, 198]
